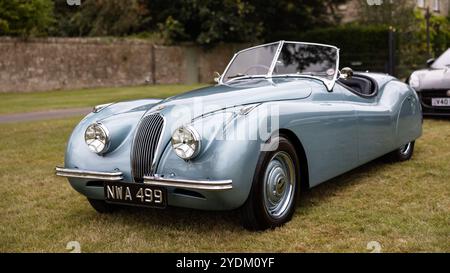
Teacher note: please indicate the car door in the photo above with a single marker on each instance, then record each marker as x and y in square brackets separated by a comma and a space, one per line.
[328, 131]
[376, 123]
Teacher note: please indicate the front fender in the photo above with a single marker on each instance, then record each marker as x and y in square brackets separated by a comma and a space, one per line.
[121, 120]
[222, 157]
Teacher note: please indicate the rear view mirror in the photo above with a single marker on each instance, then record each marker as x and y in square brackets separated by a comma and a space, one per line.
[217, 77]
[430, 62]
[346, 73]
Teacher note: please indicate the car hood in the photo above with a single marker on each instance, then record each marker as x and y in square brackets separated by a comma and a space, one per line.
[213, 98]
[181, 109]
[122, 119]
[434, 78]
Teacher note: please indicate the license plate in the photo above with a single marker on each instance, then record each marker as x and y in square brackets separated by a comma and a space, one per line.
[440, 101]
[135, 194]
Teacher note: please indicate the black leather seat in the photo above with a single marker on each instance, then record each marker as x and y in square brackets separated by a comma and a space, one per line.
[360, 85]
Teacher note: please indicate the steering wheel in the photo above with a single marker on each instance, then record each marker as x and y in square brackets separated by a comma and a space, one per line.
[255, 66]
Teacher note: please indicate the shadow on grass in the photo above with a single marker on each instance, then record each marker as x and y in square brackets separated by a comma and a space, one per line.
[340, 183]
[206, 221]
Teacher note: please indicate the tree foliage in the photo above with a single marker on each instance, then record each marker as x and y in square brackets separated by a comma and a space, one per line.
[369, 52]
[285, 19]
[205, 22]
[25, 18]
[410, 26]
[399, 13]
[98, 18]
[210, 21]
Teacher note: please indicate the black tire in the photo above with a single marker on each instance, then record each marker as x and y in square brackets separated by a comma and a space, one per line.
[403, 153]
[101, 206]
[254, 213]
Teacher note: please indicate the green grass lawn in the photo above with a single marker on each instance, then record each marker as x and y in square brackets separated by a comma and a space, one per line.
[404, 206]
[38, 101]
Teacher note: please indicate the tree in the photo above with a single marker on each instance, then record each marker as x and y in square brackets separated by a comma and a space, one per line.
[25, 18]
[211, 21]
[285, 19]
[410, 26]
[98, 18]
[205, 22]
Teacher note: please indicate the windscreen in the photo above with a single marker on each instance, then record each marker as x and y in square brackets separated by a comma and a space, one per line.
[251, 62]
[443, 61]
[306, 59]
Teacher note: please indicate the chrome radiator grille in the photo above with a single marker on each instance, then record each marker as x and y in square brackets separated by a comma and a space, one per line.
[145, 144]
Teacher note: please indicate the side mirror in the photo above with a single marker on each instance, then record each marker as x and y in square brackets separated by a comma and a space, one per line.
[216, 77]
[346, 73]
[430, 62]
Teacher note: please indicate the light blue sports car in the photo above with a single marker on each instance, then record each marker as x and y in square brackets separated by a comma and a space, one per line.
[282, 118]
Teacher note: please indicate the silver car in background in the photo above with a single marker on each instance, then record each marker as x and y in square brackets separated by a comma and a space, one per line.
[433, 85]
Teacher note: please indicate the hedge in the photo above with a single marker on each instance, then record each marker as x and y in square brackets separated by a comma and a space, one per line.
[361, 47]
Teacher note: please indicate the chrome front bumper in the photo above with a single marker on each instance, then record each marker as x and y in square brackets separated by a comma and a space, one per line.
[208, 185]
[76, 173]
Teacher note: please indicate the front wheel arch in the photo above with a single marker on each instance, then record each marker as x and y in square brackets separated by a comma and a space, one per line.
[254, 214]
[304, 173]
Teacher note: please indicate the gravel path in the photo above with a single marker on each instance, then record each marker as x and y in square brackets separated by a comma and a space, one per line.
[42, 115]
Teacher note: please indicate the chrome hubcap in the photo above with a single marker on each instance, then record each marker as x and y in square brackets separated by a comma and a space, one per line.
[404, 150]
[279, 184]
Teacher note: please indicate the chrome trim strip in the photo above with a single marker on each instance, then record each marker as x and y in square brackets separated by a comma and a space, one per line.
[209, 185]
[307, 43]
[275, 59]
[76, 173]
[226, 69]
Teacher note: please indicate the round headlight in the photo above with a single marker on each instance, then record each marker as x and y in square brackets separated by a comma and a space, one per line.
[186, 142]
[97, 138]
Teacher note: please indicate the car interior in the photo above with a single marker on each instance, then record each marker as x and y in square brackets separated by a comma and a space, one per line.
[361, 85]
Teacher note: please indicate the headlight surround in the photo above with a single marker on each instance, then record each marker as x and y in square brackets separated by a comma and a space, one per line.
[186, 142]
[97, 138]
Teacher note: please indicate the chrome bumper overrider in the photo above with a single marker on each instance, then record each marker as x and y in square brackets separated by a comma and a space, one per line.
[210, 185]
[76, 173]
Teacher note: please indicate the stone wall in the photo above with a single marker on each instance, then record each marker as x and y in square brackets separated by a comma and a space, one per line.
[72, 63]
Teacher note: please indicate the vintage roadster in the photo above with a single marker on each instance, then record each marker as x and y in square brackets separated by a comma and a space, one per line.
[281, 119]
